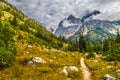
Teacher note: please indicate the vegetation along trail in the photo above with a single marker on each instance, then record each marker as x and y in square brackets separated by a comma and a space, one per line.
[85, 70]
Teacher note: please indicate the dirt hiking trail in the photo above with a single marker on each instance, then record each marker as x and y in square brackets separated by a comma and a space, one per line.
[85, 70]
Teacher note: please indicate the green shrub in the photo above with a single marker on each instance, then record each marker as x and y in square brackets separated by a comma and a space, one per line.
[7, 57]
[90, 55]
[112, 55]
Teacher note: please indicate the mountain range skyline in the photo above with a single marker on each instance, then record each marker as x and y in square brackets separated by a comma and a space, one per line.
[50, 13]
[93, 30]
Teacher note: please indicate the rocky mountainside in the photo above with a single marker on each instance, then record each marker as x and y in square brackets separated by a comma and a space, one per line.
[94, 29]
[68, 26]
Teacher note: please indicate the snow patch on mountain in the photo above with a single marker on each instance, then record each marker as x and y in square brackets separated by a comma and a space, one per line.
[94, 29]
[67, 23]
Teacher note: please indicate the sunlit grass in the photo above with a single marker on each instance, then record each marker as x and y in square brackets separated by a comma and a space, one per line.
[56, 60]
[100, 67]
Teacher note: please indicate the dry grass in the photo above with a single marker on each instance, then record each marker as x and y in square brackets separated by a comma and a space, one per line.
[56, 60]
[101, 67]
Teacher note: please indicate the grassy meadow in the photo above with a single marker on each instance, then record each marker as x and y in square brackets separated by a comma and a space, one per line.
[56, 60]
[51, 70]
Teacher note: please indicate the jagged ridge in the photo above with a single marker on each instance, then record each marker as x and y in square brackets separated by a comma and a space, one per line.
[94, 29]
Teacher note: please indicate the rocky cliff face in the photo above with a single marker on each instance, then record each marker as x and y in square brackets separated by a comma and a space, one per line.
[94, 29]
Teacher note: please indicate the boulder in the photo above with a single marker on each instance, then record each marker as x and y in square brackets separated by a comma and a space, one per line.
[118, 74]
[108, 77]
[64, 71]
[30, 62]
[73, 68]
[38, 60]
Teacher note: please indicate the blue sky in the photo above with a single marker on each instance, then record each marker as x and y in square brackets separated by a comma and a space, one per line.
[51, 12]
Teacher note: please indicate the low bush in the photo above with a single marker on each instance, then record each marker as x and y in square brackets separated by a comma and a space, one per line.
[7, 57]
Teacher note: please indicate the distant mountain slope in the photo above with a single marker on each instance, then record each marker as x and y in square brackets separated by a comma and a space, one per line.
[94, 29]
[22, 28]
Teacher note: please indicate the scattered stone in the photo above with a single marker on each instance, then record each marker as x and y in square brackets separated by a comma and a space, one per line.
[118, 74]
[108, 77]
[30, 62]
[64, 71]
[38, 60]
[73, 68]
[28, 46]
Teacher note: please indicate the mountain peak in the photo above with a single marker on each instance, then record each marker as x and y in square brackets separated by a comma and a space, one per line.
[71, 17]
[95, 29]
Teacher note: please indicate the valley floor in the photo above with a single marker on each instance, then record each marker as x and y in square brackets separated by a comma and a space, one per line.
[56, 61]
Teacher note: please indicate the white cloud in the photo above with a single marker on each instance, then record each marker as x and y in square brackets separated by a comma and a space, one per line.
[51, 12]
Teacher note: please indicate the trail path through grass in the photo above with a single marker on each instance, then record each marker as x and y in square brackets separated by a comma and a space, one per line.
[85, 70]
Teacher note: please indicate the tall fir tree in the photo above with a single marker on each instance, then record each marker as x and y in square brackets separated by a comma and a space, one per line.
[117, 40]
[82, 43]
[107, 45]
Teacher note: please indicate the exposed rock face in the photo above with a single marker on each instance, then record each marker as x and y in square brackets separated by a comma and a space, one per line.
[94, 29]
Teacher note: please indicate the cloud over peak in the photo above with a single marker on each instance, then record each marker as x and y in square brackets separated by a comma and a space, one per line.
[51, 12]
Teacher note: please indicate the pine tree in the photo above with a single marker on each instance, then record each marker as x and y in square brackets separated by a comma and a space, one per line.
[89, 47]
[97, 47]
[82, 44]
[75, 45]
[117, 40]
[107, 45]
